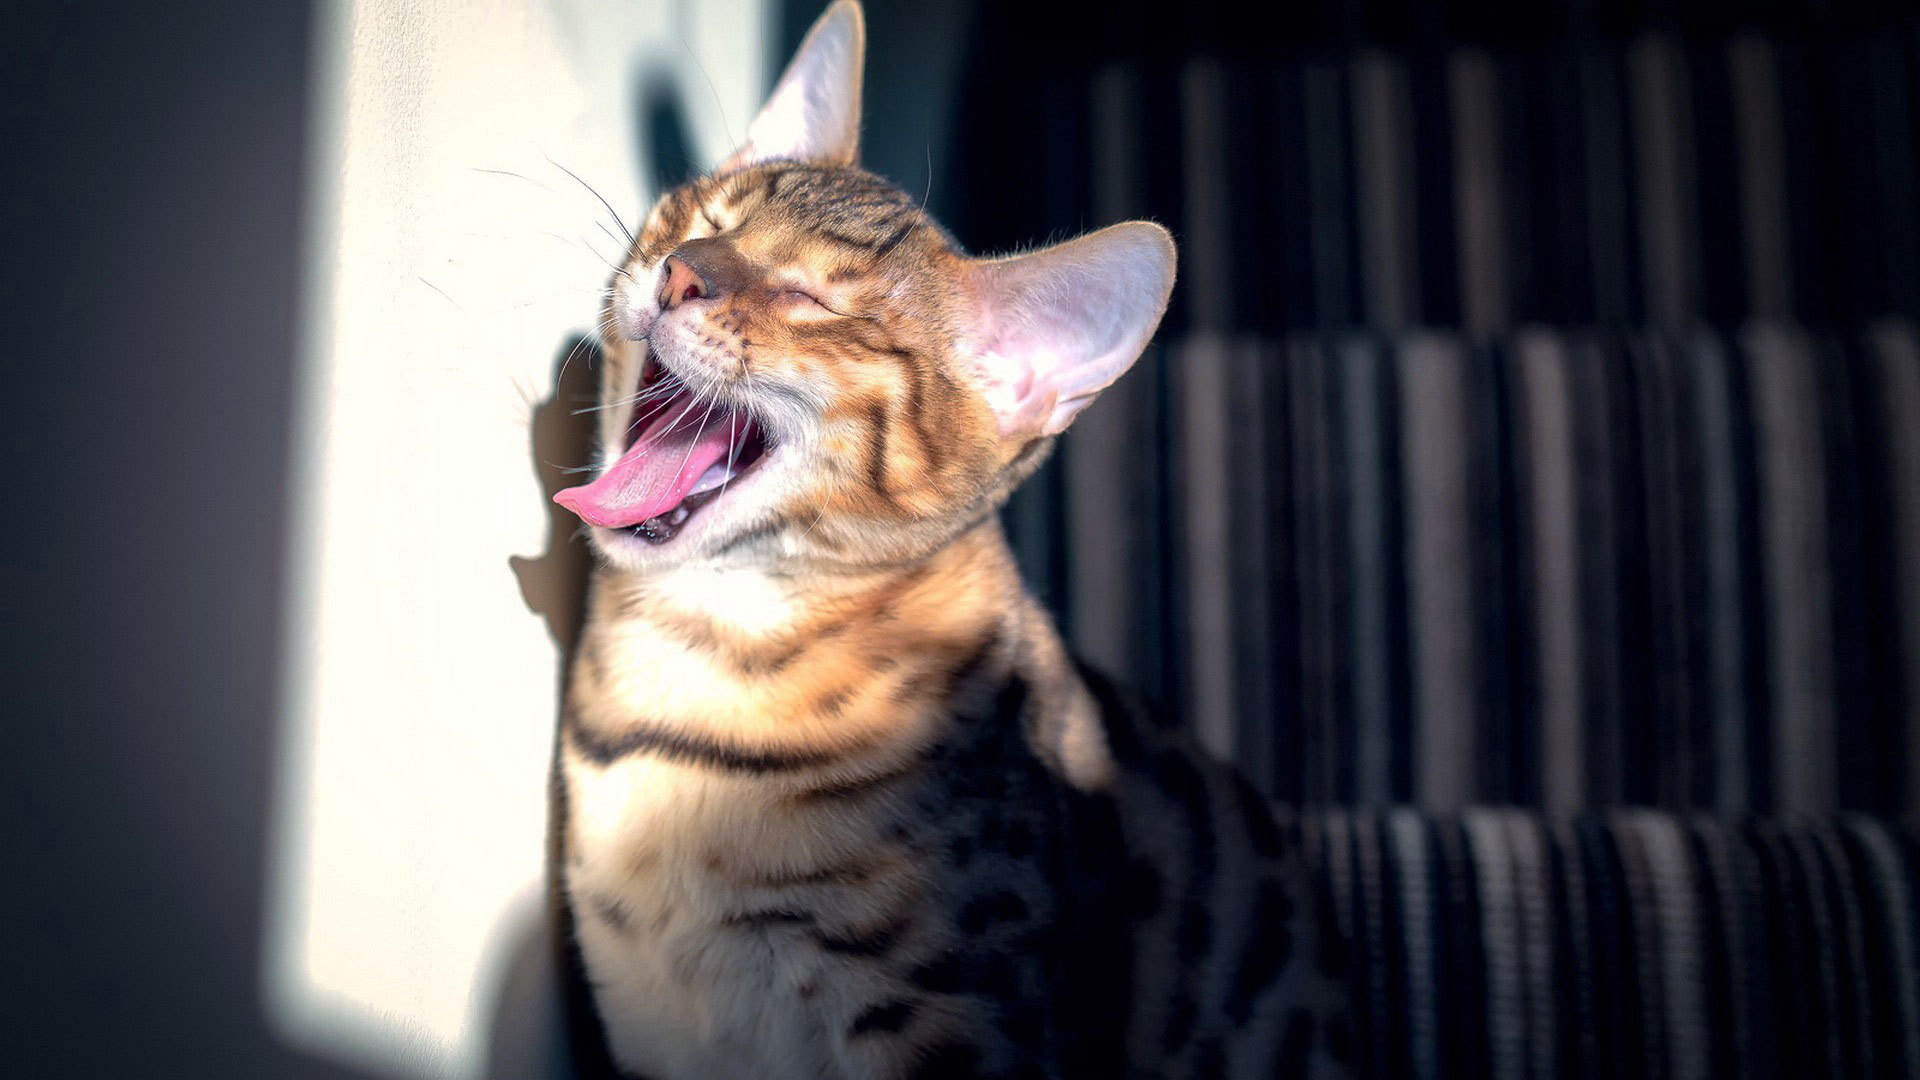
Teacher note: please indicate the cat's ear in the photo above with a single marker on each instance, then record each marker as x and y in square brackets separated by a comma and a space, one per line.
[1057, 326]
[814, 112]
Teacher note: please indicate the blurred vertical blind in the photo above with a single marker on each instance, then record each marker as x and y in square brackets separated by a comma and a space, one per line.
[1538, 418]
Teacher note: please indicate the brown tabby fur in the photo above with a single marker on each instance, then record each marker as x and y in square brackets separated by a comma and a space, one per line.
[767, 837]
[911, 456]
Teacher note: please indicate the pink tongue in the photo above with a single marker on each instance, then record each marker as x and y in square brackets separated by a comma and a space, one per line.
[655, 474]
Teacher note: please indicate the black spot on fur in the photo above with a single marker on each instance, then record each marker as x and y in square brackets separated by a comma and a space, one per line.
[771, 662]
[999, 978]
[692, 749]
[892, 240]
[850, 870]
[833, 702]
[886, 1017]
[877, 450]
[945, 975]
[983, 911]
[611, 911]
[774, 917]
[876, 942]
[854, 787]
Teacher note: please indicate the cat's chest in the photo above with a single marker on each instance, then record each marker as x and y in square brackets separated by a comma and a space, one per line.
[700, 904]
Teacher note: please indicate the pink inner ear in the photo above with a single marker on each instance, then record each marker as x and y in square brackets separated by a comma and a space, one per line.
[1025, 383]
[1030, 405]
[1058, 326]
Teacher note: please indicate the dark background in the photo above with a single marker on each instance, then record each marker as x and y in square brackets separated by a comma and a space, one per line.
[149, 193]
[1423, 244]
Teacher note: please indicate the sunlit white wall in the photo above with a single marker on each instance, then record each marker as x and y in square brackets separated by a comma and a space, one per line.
[449, 258]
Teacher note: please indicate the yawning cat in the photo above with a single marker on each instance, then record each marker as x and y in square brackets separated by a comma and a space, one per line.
[836, 801]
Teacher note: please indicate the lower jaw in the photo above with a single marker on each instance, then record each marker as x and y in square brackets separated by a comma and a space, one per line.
[752, 449]
[661, 528]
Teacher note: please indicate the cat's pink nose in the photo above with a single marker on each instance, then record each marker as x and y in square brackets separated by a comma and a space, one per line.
[681, 285]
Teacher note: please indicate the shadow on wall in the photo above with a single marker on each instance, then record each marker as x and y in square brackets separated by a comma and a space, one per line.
[554, 584]
[672, 158]
[562, 432]
[542, 1022]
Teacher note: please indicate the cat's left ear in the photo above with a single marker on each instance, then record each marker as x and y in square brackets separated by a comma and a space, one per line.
[814, 112]
[1055, 327]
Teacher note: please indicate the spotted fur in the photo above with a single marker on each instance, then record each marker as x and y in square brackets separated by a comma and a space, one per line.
[836, 803]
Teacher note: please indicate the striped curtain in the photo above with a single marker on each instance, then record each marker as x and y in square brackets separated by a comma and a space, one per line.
[1556, 569]
[1501, 946]
[1536, 419]
[1557, 176]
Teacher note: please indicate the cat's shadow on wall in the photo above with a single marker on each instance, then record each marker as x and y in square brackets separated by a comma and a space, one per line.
[554, 584]
[543, 1024]
[543, 1020]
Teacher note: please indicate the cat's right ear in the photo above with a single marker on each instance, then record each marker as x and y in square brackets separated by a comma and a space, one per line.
[1055, 327]
[814, 112]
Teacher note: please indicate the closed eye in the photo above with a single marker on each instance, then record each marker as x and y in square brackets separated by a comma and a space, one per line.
[801, 296]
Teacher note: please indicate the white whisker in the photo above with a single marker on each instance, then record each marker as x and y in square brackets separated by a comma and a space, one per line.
[708, 415]
[596, 194]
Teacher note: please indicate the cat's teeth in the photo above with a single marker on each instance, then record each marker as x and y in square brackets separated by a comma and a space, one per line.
[660, 527]
[716, 474]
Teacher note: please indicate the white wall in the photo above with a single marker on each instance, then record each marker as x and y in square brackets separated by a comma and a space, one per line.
[411, 813]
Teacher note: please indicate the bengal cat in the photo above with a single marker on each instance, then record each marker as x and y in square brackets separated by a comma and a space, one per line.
[836, 801]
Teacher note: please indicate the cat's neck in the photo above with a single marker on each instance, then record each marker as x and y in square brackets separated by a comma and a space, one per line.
[759, 614]
[796, 664]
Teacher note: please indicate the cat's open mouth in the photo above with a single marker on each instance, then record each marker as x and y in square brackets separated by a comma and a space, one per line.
[684, 449]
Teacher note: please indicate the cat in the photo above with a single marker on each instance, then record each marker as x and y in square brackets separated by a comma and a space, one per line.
[835, 800]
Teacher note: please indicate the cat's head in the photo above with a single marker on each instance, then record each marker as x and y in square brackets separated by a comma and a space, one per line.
[803, 369]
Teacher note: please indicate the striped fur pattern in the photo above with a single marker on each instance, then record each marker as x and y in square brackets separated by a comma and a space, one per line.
[835, 800]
